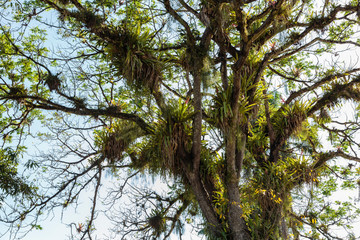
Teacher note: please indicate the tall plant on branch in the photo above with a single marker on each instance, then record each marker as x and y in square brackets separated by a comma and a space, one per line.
[230, 102]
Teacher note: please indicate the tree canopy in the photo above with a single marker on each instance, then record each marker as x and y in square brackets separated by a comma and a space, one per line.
[247, 109]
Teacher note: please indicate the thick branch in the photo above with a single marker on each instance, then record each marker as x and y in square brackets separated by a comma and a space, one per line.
[267, 23]
[339, 92]
[323, 81]
[324, 157]
[110, 112]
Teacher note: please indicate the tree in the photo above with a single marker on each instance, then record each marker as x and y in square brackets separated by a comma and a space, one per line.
[236, 104]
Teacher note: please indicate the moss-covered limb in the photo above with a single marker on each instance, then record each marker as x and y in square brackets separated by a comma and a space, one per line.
[327, 156]
[166, 47]
[220, 36]
[197, 123]
[260, 16]
[223, 68]
[286, 121]
[36, 102]
[266, 37]
[225, 42]
[319, 24]
[90, 20]
[268, 120]
[242, 22]
[321, 82]
[268, 22]
[299, 114]
[340, 91]
[339, 42]
[127, 50]
[197, 103]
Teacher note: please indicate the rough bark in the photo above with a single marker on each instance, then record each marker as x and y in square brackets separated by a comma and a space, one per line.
[236, 222]
[205, 204]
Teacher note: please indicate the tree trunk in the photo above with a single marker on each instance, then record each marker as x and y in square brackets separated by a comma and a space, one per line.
[236, 222]
[284, 229]
[205, 204]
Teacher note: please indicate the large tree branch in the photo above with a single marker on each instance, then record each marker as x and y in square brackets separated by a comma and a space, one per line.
[93, 22]
[318, 23]
[321, 82]
[45, 104]
[324, 157]
[265, 26]
[197, 123]
[197, 101]
[344, 91]
[205, 203]
[242, 24]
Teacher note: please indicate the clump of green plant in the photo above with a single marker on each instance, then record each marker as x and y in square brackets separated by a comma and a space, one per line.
[114, 140]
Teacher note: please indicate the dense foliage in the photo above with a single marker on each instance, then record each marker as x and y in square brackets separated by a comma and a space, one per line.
[247, 110]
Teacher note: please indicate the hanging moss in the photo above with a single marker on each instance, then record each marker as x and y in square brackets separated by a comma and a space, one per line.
[53, 82]
[114, 146]
[133, 61]
[221, 111]
[64, 2]
[157, 223]
[17, 90]
[324, 116]
[115, 140]
[289, 119]
[168, 148]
